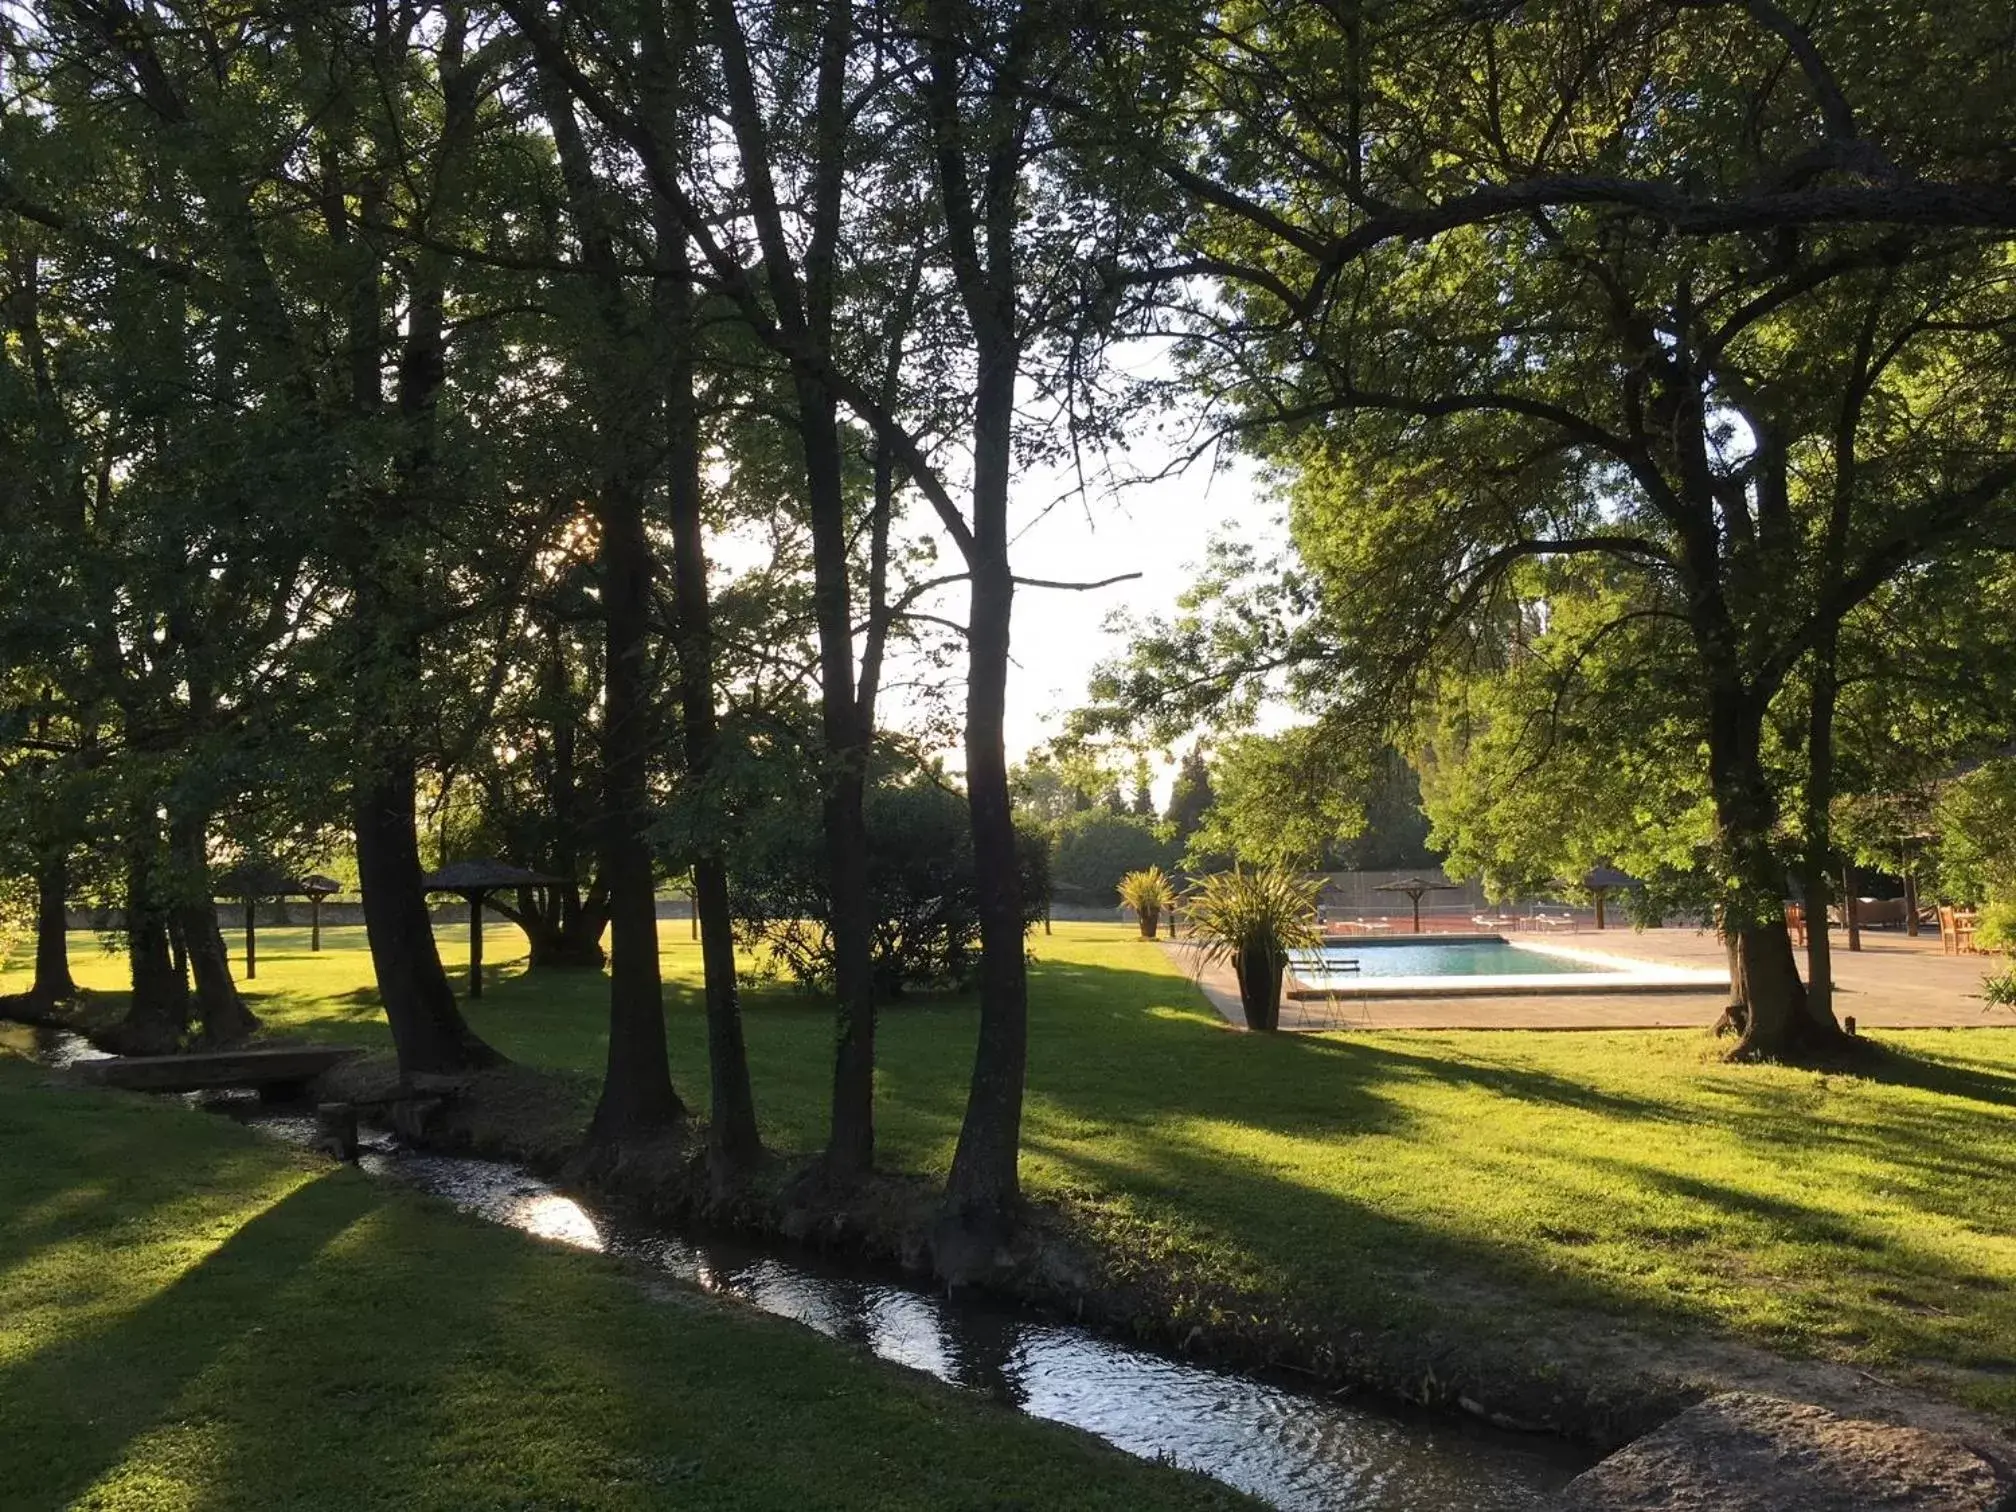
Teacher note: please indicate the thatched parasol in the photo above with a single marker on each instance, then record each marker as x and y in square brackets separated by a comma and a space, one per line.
[475, 881]
[1414, 887]
[1601, 882]
[249, 881]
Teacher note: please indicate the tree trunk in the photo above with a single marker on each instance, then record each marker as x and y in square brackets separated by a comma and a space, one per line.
[53, 982]
[1814, 883]
[158, 1014]
[561, 928]
[1817, 821]
[428, 1029]
[733, 1143]
[850, 1145]
[1780, 1020]
[221, 1012]
[475, 901]
[573, 941]
[178, 953]
[984, 1189]
[804, 308]
[638, 1102]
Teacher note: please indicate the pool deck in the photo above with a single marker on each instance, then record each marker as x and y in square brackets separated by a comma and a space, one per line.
[1893, 982]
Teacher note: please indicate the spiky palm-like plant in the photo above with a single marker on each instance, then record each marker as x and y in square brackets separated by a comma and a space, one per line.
[1253, 919]
[1148, 892]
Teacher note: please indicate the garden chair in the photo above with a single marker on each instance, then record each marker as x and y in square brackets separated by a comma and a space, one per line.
[1949, 930]
[1329, 1007]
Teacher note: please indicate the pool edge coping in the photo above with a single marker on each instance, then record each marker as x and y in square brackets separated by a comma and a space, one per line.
[1620, 974]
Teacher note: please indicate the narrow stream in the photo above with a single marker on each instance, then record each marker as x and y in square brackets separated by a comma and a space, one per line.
[1299, 1450]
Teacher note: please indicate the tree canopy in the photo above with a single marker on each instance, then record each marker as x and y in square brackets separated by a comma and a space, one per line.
[532, 431]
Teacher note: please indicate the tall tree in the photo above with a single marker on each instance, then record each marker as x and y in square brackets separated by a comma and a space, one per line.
[638, 1101]
[1597, 385]
[1190, 795]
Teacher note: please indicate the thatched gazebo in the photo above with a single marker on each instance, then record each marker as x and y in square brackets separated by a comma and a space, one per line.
[317, 887]
[475, 881]
[249, 882]
[1603, 881]
[1415, 887]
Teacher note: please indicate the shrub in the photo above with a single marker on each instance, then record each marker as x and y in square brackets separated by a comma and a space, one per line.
[1995, 929]
[922, 891]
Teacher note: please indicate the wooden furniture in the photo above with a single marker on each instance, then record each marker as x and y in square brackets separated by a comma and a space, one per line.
[1956, 930]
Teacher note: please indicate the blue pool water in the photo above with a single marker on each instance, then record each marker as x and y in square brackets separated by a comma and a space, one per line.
[1456, 959]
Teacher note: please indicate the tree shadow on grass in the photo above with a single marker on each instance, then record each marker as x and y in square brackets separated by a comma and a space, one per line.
[1943, 1155]
[1102, 1040]
[1163, 1075]
[1502, 1297]
[1897, 1066]
[73, 1407]
[1453, 1068]
[443, 1364]
[714, 1406]
[92, 1176]
[359, 1005]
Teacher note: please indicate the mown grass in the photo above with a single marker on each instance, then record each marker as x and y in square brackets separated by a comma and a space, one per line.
[1498, 1184]
[192, 1316]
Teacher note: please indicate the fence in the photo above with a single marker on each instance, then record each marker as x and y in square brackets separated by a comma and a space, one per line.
[1345, 895]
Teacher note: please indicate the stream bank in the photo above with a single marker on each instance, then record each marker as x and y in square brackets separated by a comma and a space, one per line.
[1297, 1449]
[1592, 1380]
[1074, 1270]
[533, 1118]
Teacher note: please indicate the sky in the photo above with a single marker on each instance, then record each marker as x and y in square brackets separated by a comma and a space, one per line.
[1160, 529]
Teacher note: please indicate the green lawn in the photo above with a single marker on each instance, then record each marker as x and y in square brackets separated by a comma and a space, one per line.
[193, 1316]
[1487, 1185]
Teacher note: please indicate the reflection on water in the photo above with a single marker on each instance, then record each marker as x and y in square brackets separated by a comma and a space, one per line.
[1298, 1450]
[59, 1047]
[1301, 1451]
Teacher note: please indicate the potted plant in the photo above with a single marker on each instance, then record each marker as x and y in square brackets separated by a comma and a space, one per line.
[1148, 892]
[1252, 919]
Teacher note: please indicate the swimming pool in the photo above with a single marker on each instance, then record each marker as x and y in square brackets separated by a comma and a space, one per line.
[1463, 958]
[1478, 965]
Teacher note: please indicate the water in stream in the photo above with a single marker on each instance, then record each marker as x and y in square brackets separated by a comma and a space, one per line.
[1299, 1450]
